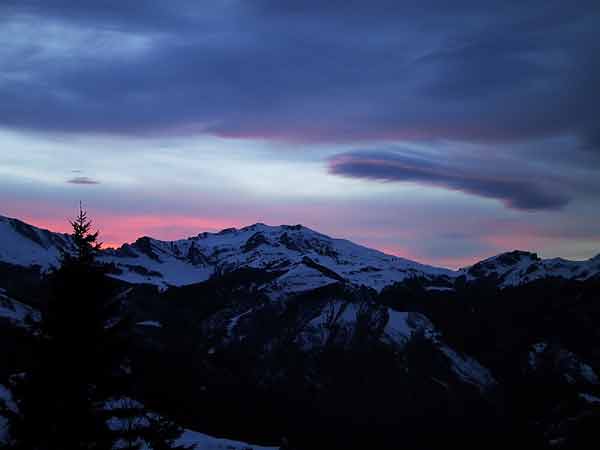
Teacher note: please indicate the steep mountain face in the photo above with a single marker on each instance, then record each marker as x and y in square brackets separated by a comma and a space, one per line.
[308, 364]
[301, 259]
[22, 244]
[337, 317]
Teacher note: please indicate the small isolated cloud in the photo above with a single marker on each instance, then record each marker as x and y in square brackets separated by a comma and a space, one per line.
[517, 190]
[83, 180]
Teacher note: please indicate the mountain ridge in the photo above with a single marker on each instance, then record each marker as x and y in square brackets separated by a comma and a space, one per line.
[308, 258]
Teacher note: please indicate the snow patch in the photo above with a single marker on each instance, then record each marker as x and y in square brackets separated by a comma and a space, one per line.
[206, 442]
[234, 321]
[401, 325]
[188, 437]
[16, 312]
[469, 370]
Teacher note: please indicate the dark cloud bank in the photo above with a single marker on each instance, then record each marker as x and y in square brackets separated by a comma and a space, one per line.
[338, 71]
[517, 192]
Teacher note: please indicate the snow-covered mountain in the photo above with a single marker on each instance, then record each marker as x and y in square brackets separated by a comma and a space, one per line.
[299, 259]
[264, 310]
[302, 258]
[518, 267]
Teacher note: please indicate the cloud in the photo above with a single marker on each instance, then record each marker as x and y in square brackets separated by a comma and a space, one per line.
[82, 180]
[336, 72]
[527, 192]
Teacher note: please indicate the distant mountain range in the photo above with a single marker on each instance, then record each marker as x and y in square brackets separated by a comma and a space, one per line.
[299, 258]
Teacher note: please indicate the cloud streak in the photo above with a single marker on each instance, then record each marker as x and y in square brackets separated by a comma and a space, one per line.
[82, 180]
[524, 192]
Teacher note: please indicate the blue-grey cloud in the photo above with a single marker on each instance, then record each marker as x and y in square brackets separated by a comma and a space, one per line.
[311, 71]
[82, 180]
[523, 192]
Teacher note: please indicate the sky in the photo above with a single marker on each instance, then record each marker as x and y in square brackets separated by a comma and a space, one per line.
[440, 131]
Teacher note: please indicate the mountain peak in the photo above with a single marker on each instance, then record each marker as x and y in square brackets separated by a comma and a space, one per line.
[303, 258]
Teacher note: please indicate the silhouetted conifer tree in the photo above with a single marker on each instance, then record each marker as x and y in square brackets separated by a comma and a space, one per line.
[81, 364]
